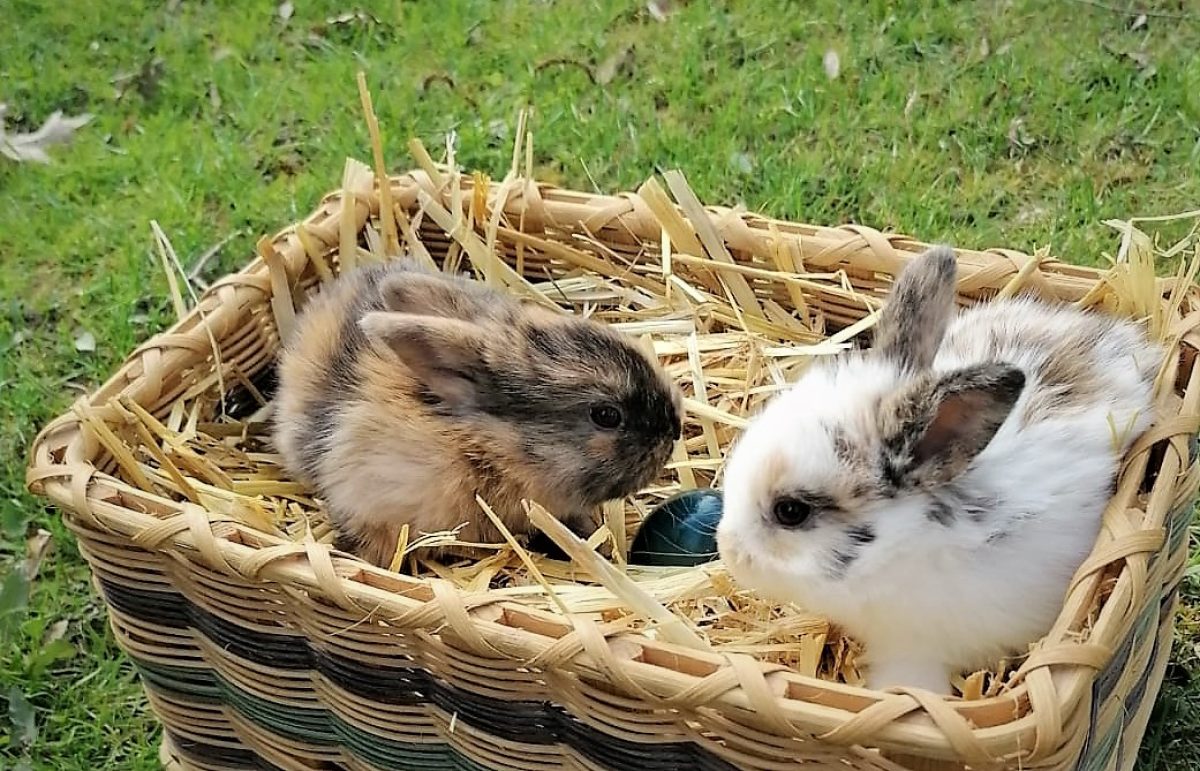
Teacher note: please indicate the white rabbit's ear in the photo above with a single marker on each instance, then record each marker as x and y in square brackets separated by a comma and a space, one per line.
[934, 428]
[917, 312]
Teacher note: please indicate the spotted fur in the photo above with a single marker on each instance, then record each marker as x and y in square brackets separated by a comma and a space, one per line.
[404, 394]
[965, 461]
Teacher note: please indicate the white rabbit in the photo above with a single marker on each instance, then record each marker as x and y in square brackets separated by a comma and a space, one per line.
[934, 495]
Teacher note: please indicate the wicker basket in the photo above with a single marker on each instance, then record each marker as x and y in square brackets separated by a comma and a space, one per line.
[257, 652]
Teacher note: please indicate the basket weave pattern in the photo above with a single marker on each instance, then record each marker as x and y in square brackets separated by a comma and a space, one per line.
[257, 652]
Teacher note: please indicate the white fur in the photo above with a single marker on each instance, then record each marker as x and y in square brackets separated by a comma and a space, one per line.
[928, 600]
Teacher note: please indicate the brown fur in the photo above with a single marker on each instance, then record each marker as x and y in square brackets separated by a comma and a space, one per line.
[405, 394]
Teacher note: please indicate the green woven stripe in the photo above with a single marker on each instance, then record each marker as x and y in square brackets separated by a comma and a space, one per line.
[311, 726]
[1102, 751]
[386, 753]
[1178, 526]
[1147, 622]
[197, 684]
[317, 726]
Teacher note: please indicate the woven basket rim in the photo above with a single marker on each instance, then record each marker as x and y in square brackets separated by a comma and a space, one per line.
[1056, 682]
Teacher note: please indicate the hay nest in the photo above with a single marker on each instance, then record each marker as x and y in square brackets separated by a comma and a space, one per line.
[726, 347]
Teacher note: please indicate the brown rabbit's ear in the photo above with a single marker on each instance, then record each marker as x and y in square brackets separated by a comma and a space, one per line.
[934, 428]
[444, 355]
[916, 315]
[420, 293]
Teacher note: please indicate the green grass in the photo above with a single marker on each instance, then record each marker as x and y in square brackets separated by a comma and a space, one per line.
[1019, 123]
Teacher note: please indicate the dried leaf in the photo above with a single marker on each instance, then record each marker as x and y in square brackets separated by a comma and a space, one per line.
[1138, 23]
[609, 68]
[85, 342]
[1140, 58]
[911, 102]
[660, 9]
[36, 548]
[55, 632]
[832, 63]
[351, 17]
[145, 81]
[32, 146]
[1019, 138]
[286, 10]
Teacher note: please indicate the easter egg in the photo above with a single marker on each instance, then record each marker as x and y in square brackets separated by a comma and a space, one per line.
[679, 532]
[540, 543]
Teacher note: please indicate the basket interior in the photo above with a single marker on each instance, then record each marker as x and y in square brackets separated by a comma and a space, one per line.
[731, 328]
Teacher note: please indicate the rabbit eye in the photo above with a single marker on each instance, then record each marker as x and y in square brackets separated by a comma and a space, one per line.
[790, 512]
[606, 416]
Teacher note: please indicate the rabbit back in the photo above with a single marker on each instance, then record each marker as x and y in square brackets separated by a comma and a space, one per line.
[1075, 362]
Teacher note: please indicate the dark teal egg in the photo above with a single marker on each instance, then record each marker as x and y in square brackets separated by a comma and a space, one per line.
[679, 532]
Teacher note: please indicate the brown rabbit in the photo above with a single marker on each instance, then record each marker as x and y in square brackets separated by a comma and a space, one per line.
[405, 393]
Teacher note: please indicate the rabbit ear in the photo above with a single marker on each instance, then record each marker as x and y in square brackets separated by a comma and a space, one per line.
[916, 315]
[413, 291]
[444, 355]
[934, 428]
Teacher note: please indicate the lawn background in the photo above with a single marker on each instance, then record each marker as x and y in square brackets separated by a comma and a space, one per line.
[987, 123]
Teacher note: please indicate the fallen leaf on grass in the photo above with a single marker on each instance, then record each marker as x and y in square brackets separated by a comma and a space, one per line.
[351, 17]
[911, 102]
[660, 9]
[832, 63]
[1020, 141]
[32, 146]
[145, 81]
[85, 342]
[36, 548]
[286, 10]
[55, 632]
[609, 68]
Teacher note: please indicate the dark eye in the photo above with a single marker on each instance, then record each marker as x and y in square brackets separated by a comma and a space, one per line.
[790, 512]
[607, 416]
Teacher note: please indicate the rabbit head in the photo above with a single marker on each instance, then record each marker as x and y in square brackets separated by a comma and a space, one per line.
[568, 406]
